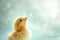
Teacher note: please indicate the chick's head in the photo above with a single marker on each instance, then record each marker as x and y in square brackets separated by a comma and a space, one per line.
[20, 22]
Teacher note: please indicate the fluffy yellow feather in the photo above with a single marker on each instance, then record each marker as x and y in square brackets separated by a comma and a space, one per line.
[21, 31]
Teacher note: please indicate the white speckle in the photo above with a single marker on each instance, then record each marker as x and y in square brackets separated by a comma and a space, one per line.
[30, 14]
[8, 5]
[36, 6]
[18, 6]
[51, 6]
[53, 10]
[58, 21]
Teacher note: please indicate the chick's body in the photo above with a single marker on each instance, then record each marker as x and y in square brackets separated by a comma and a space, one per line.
[21, 31]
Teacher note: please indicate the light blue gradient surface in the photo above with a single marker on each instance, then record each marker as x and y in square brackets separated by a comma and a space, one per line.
[43, 15]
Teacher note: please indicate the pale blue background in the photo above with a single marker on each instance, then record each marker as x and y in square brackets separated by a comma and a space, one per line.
[44, 17]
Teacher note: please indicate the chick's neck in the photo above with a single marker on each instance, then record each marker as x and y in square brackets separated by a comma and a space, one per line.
[20, 28]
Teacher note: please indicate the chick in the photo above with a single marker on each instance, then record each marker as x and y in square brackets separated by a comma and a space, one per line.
[21, 31]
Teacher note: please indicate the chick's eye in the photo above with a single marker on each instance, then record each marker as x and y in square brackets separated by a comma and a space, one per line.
[20, 20]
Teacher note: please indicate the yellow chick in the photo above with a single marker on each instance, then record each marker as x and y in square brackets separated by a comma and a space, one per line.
[21, 32]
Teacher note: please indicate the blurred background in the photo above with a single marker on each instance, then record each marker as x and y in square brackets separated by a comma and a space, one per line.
[44, 17]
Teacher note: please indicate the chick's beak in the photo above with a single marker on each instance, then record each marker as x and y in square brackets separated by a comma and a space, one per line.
[26, 18]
